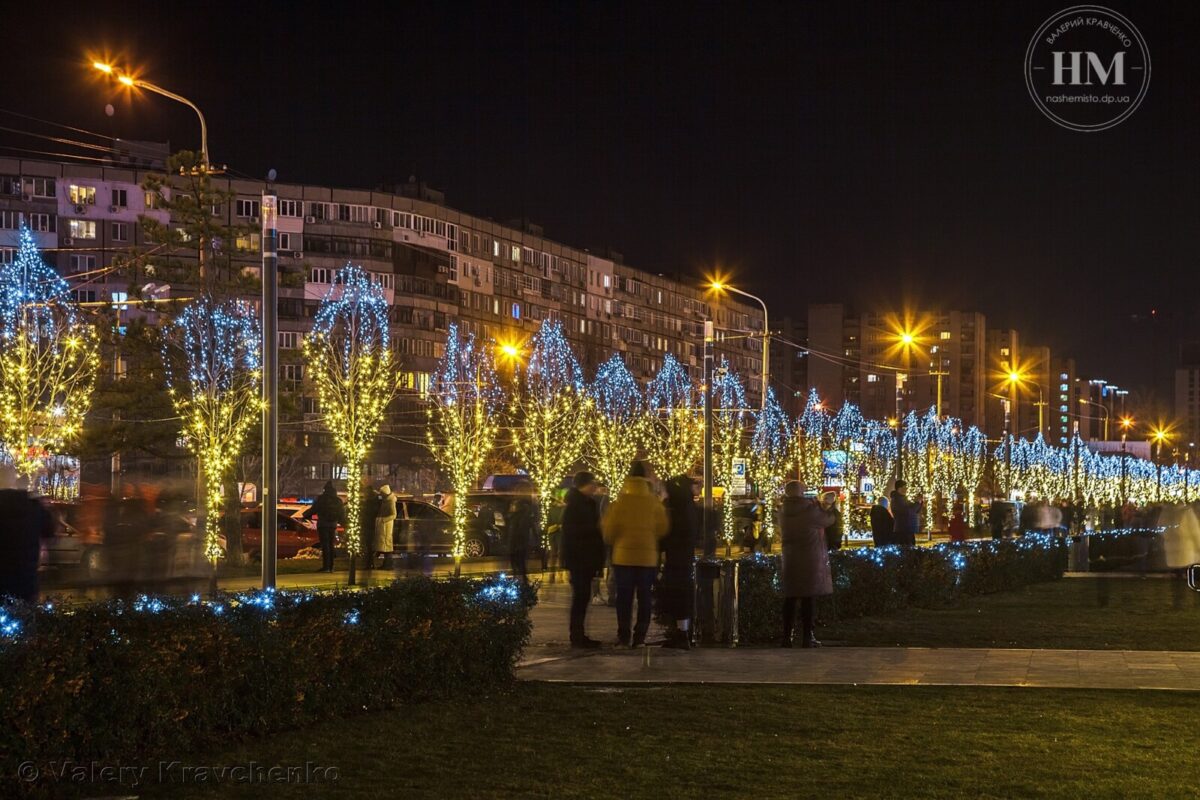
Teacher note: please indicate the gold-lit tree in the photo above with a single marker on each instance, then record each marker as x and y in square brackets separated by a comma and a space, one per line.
[211, 351]
[464, 402]
[811, 432]
[730, 415]
[616, 408]
[350, 362]
[551, 414]
[49, 358]
[672, 426]
[770, 457]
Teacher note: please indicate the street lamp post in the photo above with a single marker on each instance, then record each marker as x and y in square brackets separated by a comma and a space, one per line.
[138, 83]
[718, 286]
[1126, 423]
[1104, 417]
[1015, 379]
[270, 387]
[708, 435]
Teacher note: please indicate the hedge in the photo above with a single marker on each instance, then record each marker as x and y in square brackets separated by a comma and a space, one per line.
[152, 675]
[880, 580]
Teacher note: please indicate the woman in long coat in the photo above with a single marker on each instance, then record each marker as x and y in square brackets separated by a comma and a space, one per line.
[385, 519]
[677, 591]
[805, 575]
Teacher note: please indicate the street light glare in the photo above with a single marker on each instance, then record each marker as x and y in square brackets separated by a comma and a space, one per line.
[105, 68]
[125, 79]
[907, 338]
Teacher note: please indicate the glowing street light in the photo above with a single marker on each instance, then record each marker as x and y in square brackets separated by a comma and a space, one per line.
[719, 286]
[125, 79]
[1016, 379]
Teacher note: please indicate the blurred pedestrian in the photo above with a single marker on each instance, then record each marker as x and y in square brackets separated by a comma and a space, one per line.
[330, 512]
[836, 530]
[633, 526]
[805, 574]
[385, 524]
[366, 521]
[582, 551]
[906, 516]
[677, 594]
[882, 523]
[24, 521]
[522, 527]
[1181, 545]
[958, 522]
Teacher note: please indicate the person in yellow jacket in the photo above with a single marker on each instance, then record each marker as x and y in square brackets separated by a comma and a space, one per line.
[633, 526]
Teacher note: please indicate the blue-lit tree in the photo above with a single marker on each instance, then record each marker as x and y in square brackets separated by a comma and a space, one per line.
[672, 429]
[879, 455]
[846, 431]
[48, 361]
[350, 361]
[770, 456]
[616, 409]
[811, 432]
[730, 415]
[551, 413]
[465, 401]
[211, 351]
[970, 460]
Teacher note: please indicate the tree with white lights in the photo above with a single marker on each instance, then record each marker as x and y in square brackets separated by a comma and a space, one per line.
[672, 428]
[616, 408]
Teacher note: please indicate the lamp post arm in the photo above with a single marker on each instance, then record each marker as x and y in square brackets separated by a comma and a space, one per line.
[181, 99]
[766, 354]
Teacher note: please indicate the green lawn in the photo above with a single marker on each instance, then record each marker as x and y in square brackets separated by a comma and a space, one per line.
[1140, 615]
[561, 741]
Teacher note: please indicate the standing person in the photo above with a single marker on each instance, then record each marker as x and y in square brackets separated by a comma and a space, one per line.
[330, 512]
[678, 586]
[582, 551]
[633, 526]
[521, 526]
[805, 574]
[906, 516]
[836, 530]
[366, 521]
[958, 522]
[882, 523]
[23, 523]
[385, 523]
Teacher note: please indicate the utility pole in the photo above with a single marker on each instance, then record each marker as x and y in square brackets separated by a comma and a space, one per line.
[270, 387]
[708, 435]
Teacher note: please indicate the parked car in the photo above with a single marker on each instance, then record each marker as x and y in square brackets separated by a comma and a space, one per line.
[422, 527]
[295, 534]
[490, 510]
[69, 546]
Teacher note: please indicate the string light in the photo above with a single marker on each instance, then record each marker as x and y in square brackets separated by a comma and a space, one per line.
[730, 414]
[811, 430]
[770, 456]
[672, 427]
[465, 398]
[216, 392]
[616, 407]
[350, 361]
[48, 362]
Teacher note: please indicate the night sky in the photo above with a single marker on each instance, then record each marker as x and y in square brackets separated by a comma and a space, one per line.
[879, 154]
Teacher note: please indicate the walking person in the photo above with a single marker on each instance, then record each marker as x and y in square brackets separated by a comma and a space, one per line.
[330, 512]
[24, 520]
[385, 523]
[582, 551]
[882, 523]
[906, 516]
[521, 525]
[678, 588]
[805, 574]
[635, 523]
[958, 521]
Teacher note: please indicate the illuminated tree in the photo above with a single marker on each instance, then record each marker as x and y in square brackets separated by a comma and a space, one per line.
[672, 429]
[465, 399]
[879, 454]
[211, 351]
[48, 363]
[811, 431]
[616, 408]
[551, 414]
[770, 456]
[350, 362]
[970, 459]
[730, 414]
[846, 434]
[915, 447]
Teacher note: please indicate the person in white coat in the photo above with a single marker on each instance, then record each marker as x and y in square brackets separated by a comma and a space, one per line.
[1181, 544]
[385, 519]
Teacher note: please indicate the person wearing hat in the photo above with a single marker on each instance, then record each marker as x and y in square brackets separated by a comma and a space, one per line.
[634, 525]
[582, 551]
[677, 594]
[385, 520]
[836, 530]
[330, 512]
[805, 574]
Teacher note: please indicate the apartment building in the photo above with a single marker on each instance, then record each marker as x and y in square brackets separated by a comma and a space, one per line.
[434, 263]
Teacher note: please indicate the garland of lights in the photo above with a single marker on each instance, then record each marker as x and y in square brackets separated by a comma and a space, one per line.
[465, 399]
[552, 415]
[216, 392]
[770, 456]
[846, 431]
[880, 453]
[48, 363]
[729, 432]
[672, 427]
[616, 408]
[810, 442]
[350, 361]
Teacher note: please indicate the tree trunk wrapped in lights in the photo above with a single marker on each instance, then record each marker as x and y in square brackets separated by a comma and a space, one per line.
[552, 415]
[672, 429]
[211, 351]
[616, 408]
[846, 434]
[465, 399]
[879, 455]
[811, 431]
[970, 458]
[350, 361]
[48, 361]
[770, 456]
[729, 433]
[916, 444]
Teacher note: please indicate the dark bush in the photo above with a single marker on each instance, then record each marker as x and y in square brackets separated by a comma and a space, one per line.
[125, 678]
[871, 581]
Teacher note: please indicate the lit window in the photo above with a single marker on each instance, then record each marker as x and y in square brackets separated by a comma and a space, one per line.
[247, 242]
[872, 379]
[83, 195]
[82, 229]
[944, 335]
[516, 310]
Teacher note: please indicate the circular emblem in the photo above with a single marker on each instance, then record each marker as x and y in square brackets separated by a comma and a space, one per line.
[1087, 68]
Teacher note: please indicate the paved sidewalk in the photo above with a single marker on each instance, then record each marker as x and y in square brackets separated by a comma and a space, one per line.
[906, 666]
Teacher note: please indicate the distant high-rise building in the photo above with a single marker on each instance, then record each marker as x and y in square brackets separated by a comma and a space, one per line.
[789, 363]
[1002, 357]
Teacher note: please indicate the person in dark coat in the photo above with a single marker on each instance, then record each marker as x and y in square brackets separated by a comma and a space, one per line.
[805, 574]
[882, 523]
[836, 530]
[24, 521]
[906, 516]
[367, 514]
[678, 587]
[330, 512]
[521, 525]
[582, 551]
